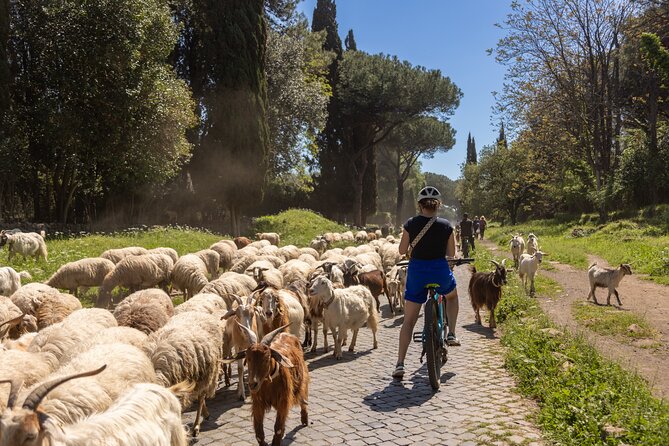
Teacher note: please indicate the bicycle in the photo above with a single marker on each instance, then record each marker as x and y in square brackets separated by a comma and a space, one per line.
[433, 336]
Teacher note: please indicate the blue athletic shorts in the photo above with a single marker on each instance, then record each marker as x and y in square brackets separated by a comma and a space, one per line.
[424, 272]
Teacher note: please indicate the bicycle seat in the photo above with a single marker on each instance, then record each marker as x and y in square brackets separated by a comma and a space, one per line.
[432, 285]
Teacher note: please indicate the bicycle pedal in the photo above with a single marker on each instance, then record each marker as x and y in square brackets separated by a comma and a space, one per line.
[418, 336]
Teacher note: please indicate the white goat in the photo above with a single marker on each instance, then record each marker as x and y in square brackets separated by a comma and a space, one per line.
[532, 244]
[10, 280]
[517, 247]
[345, 309]
[529, 264]
[607, 278]
[29, 244]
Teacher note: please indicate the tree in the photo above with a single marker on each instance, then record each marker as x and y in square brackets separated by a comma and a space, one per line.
[571, 48]
[377, 94]
[4, 59]
[501, 139]
[421, 137]
[101, 115]
[350, 41]
[471, 150]
[225, 60]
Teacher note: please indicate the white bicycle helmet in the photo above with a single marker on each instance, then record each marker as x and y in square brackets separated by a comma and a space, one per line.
[429, 192]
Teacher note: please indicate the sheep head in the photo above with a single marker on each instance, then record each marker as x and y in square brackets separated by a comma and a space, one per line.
[25, 425]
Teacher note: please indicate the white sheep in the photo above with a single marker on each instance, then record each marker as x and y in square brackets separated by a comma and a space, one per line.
[120, 335]
[170, 252]
[146, 415]
[311, 251]
[345, 309]
[10, 280]
[243, 263]
[204, 303]
[45, 303]
[135, 273]
[189, 275]
[271, 237]
[294, 270]
[607, 278]
[116, 255]
[308, 258]
[319, 244]
[517, 246]
[28, 244]
[265, 276]
[260, 243]
[85, 273]
[529, 264]
[345, 236]
[532, 244]
[226, 253]
[212, 260]
[189, 348]
[229, 285]
[390, 255]
[288, 252]
[361, 237]
[145, 310]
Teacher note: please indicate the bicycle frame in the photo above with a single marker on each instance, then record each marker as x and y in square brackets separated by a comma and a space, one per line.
[442, 322]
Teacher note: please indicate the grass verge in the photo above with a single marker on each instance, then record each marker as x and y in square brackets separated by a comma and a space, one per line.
[583, 398]
[633, 241]
[611, 321]
[297, 226]
[71, 249]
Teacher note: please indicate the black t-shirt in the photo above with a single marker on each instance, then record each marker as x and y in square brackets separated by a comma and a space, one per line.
[433, 244]
[467, 228]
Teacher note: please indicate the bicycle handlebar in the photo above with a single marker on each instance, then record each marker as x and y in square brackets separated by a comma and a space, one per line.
[454, 262]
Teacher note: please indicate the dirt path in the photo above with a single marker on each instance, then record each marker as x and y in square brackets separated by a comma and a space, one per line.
[647, 299]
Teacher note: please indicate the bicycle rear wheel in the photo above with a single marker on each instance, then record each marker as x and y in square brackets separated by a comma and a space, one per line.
[432, 345]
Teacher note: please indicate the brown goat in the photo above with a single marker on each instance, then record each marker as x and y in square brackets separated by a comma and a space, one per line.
[240, 242]
[486, 289]
[278, 378]
[374, 280]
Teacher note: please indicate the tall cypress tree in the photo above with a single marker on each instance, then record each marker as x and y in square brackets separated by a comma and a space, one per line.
[471, 149]
[4, 60]
[474, 154]
[228, 66]
[501, 139]
[331, 198]
[350, 41]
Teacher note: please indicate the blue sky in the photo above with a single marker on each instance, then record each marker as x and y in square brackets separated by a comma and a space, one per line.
[450, 35]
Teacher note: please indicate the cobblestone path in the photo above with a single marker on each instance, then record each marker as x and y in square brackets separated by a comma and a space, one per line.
[354, 401]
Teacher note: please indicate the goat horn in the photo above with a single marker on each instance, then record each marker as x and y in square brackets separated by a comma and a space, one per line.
[238, 299]
[15, 386]
[269, 337]
[36, 396]
[253, 338]
[504, 262]
[495, 263]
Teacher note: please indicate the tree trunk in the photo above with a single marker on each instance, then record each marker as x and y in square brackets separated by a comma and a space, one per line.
[357, 199]
[652, 137]
[400, 203]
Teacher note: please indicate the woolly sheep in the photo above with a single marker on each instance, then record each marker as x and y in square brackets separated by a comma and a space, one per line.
[212, 260]
[189, 348]
[311, 251]
[271, 237]
[116, 255]
[266, 276]
[204, 303]
[30, 244]
[146, 415]
[345, 236]
[345, 309]
[243, 263]
[46, 304]
[189, 275]
[281, 307]
[10, 280]
[81, 273]
[10, 315]
[260, 243]
[226, 253]
[271, 250]
[289, 252]
[147, 297]
[75, 401]
[294, 270]
[229, 285]
[169, 252]
[29, 368]
[144, 317]
[390, 255]
[308, 258]
[120, 335]
[319, 244]
[137, 272]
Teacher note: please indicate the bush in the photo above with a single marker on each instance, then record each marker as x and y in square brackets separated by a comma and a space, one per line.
[296, 226]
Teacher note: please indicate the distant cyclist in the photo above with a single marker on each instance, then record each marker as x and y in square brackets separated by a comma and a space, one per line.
[427, 265]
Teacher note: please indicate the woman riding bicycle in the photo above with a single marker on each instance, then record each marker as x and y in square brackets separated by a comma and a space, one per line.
[428, 264]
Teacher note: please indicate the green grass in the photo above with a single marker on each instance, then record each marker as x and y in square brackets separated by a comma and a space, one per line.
[71, 249]
[645, 246]
[578, 391]
[296, 226]
[611, 321]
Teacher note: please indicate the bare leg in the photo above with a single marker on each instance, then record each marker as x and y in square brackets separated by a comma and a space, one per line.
[618, 298]
[240, 387]
[452, 309]
[411, 312]
[353, 339]
[196, 423]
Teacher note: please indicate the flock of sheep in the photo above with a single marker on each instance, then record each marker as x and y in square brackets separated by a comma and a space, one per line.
[73, 376]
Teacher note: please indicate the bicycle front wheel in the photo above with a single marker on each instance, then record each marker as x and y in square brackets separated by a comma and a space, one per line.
[432, 344]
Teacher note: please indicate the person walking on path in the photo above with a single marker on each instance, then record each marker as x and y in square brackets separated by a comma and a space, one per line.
[428, 240]
[476, 223]
[467, 230]
[482, 225]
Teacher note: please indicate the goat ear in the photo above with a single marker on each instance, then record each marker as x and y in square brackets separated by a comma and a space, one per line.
[281, 359]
